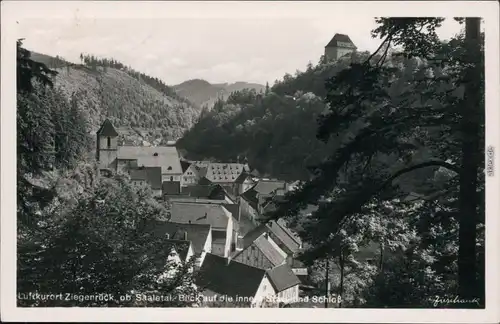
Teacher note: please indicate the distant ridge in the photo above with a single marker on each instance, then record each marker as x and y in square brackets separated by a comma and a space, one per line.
[202, 93]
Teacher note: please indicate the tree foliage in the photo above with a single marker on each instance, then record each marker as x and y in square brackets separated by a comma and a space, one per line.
[393, 117]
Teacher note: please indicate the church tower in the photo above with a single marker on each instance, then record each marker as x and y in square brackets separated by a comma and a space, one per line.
[107, 146]
[339, 46]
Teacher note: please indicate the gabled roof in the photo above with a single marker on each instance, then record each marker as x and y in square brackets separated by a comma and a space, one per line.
[225, 172]
[342, 38]
[171, 187]
[151, 175]
[196, 233]
[229, 278]
[282, 277]
[267, 187]
[165, 157]
[232, 208]
[107, 129]
[215, 215]
[180, 246]
[250, 197]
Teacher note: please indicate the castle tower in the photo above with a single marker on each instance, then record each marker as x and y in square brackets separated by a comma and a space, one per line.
[107, 146]
[339, 46]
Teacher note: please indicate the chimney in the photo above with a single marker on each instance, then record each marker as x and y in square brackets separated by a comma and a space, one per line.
[167, 236]
[185, 235]
[189, 221]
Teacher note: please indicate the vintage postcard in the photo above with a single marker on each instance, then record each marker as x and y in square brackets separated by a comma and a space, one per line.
[265, 161]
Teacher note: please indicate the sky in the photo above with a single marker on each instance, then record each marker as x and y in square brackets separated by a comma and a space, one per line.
[219, 48]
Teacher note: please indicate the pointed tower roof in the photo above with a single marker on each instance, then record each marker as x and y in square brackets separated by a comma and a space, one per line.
[340, 38]
[107, 129]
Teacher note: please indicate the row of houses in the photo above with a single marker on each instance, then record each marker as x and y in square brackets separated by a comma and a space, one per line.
[213, 216]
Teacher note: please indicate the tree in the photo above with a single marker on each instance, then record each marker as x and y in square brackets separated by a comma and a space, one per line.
[95, 240]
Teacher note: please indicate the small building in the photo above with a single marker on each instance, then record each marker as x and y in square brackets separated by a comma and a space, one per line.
[339, 46]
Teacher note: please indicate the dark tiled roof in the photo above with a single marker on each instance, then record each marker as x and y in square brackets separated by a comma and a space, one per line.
[269, 251]
[339, 38]
[171, 187]
[231, 279]
[196, 233]
[232, 208]
[107, 129]
[151, 175]
[165, 157]
[281, 235]
[195, 213]
[282, 277]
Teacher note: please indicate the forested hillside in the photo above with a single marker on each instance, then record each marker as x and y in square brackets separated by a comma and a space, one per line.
[204, 94]
[143, 107]
[275, 131]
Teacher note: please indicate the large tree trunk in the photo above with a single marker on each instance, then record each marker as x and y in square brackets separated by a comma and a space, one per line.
[469, 199]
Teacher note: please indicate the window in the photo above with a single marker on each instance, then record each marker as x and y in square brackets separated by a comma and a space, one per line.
[109, 142]
[171, 178]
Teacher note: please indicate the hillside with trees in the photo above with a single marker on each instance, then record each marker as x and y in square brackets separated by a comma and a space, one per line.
[143, 107]
[204, 94]
[390, 146]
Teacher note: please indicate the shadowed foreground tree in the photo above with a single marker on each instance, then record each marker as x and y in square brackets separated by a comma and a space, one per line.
[392, 131]
[94, 240]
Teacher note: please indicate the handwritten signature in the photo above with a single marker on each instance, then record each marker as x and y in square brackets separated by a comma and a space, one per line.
[436, 300]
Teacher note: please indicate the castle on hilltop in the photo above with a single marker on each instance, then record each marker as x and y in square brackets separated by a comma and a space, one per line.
[339, 46]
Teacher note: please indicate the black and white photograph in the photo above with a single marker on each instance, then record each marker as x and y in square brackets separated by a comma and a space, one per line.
[315, 156]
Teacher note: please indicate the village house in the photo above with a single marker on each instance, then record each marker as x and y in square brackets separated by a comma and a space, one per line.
[179, 252]
[232, 207]
[248, 285]
[218, 217]
[112, 157]
[256, 199]
[285, 283]
[244, 284]
[199, 235]
[339, 46]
